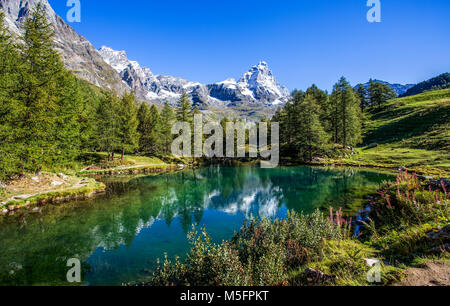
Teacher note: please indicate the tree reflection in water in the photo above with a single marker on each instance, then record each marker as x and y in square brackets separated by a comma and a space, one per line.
[118, 235]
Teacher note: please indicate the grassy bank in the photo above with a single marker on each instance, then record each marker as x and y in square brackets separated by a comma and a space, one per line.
[60, 184]
[46, 188]
[407, 226]
[411, 132]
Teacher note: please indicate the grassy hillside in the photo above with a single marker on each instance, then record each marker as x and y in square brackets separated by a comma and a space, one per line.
[413, 132]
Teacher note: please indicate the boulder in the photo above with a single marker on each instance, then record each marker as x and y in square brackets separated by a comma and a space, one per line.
[319, 277]
[56, 183]
[63, 176]
[442, 234]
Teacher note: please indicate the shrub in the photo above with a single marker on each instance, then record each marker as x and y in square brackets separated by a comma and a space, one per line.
[261, 253]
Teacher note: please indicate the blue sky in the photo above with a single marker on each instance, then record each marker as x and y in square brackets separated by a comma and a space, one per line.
[304, 41]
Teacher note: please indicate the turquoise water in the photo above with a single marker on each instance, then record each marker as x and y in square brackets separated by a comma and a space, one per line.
[119, 236]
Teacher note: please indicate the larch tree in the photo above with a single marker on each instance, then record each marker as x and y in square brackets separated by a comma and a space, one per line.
[167, 120]
[128, 124]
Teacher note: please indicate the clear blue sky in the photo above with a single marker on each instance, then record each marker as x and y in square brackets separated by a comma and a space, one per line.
[304, 41]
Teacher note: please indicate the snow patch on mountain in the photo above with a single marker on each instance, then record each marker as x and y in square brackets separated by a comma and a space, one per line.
[257, 86]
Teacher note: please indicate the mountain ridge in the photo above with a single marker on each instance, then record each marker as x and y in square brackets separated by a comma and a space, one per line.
[257, 86]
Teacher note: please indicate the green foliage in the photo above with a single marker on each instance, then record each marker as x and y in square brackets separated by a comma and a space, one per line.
[40, 113]
[150, 129]
[262, 253]
[345, 261]
[128, 124]
[439, 82]
[184, 108]
[167, 120]
[345, 115]
[108, 123]
[311, 139]
[362, 93]
[379, 94]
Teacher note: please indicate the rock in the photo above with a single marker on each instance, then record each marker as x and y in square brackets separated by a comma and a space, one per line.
[35, 178]
[22, 197]
[56, 183]
[372, 145]
[319, 277]
[372, 261]
[63, 176]
[402, 169]
[442, 234]
[442, 248]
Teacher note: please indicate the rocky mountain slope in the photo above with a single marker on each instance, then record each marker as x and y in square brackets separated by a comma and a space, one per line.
[79, 54]
[256, 87]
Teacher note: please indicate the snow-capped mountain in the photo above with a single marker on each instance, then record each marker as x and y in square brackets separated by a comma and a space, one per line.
[79, 54]
[257, 86]
[113, 70]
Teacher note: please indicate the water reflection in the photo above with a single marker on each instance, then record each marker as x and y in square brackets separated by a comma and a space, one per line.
[120, 234]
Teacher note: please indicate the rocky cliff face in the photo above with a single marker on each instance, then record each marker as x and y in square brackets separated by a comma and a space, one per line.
[79, 54]
[256, 87]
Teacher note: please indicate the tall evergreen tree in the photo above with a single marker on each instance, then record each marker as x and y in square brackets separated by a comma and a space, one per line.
[167, 120]
[108, 124]
[128, 124]
[311, 138]
[184, 108]
[362, 93]
[9, 111]
[379, 94]
[149, 129]
[47, 98]
[346, 114]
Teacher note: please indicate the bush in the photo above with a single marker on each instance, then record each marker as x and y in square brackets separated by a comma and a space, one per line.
[261, 253]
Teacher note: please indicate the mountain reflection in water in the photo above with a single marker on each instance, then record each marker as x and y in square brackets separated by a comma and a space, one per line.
[119, 235]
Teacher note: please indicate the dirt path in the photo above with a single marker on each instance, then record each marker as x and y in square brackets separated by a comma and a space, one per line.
[432, 274]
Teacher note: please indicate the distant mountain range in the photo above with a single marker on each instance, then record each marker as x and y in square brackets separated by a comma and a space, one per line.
[111, 69]
[398, 88]
[256, 92]
[256, 87]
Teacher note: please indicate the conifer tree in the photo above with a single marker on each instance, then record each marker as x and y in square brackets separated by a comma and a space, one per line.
[184, 108]
[108, 124]
[362, 93]
[47, 100]
[167, 120]
[128, 124]
[311, 138]
[345, 114]
[9, 65]
[379, 94]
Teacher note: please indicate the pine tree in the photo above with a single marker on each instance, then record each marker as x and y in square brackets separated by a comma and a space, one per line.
[128, 124]
[47, 98]
[149, 129]
[108, 124]
[311, 139]
[379, 94]
[9, 65]
[345, 115]
[362, 93]
[184, 108]
[167, 120]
